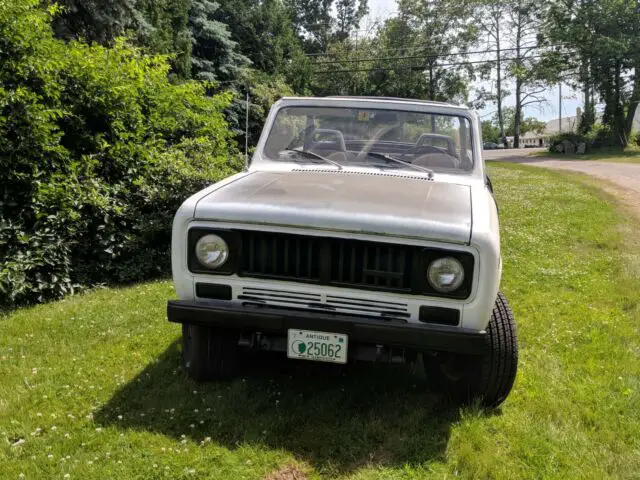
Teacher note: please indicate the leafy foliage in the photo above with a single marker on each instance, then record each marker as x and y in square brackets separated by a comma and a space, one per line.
[163, 27]
[100, 21]
[98, 151]
[490, 133]
[601, 56]
[215, 53]
[318, 23]
[264, 33]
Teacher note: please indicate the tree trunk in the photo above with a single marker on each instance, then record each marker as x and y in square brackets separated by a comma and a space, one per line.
[619, 120]
[499, 79]
[518, 114]
[634, 101]
[588, 116]
[606, 91]
[432, 82]
[517, 119]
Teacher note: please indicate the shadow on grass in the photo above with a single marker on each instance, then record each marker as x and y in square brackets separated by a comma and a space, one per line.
[337, 418]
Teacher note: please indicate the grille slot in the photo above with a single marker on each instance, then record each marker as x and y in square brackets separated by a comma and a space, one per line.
[359, 263]
[265, 295]
[327, 261]
[387, 309]
[273, 255]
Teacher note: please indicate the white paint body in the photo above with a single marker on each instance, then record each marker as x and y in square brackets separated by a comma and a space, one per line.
[483, 244]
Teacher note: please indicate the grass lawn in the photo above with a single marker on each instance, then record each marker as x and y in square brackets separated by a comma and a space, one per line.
[90, 387]
[616, 156]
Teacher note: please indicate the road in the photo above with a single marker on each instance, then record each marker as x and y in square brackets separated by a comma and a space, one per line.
[620, 179]
[510, 155]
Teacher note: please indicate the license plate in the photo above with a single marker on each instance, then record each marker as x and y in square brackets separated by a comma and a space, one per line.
[317, 346]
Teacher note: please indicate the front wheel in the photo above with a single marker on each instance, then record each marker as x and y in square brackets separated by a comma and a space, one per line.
[207, 353]
[487, 378]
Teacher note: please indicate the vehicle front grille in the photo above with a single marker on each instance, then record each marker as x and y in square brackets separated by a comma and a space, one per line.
[331, 303]
[327, 261]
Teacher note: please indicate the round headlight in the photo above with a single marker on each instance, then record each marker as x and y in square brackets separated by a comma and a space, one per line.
[212, 251]
[445, 274]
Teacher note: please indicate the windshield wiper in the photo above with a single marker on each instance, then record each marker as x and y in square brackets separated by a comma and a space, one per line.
[400, 162]
[309, 154]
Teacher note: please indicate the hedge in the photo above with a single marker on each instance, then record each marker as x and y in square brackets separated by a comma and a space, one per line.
[97, 150]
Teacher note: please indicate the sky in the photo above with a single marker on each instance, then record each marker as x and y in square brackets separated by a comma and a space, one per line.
[571, 100]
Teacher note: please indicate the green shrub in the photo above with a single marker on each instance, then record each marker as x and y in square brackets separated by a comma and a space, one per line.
[97, 151]
[574, 138]
[601, 136]
[598, 138]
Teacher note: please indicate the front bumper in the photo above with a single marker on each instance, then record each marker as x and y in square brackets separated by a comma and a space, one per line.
[369, 330]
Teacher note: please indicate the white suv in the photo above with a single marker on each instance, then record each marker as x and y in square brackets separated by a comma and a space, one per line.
[364, 228]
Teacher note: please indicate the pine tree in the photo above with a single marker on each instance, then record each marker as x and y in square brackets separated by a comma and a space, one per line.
[163, 27]
[98, 21]
[214, 54]
[349, 13]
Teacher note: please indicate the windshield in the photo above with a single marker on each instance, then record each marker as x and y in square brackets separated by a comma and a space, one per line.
[384, 139]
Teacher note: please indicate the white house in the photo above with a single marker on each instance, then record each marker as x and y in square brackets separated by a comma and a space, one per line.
[553, 127]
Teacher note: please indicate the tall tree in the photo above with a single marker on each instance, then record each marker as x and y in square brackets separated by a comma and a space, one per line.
[98, 21]
[349, 13]
[163, 27]
[525, 20]
[160, 26]
[431, 34]
[312, 22]
[415, 54]
[215, 54]
[600, 45]
[491, 15]
[263, 31]
[316, 24]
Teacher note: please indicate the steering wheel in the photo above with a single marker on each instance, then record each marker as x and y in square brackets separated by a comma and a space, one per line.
[370, 143]
[421, 150]
[337, 147]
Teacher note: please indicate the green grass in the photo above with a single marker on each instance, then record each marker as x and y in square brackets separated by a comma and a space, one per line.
[631, 155]
[90, 387]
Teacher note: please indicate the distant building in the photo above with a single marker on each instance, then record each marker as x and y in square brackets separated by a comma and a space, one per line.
[569, 125]
[553, 127]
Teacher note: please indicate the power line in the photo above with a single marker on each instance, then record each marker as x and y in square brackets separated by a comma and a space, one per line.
[409, 57]
[420, 68]
[423, 46]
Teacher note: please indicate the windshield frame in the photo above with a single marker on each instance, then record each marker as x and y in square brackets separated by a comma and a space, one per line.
[261, 161]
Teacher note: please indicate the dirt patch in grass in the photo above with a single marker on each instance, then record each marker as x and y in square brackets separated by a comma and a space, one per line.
[286, 473]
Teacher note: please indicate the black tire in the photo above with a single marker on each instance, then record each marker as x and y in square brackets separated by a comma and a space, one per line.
[209, 354]
[487, 378]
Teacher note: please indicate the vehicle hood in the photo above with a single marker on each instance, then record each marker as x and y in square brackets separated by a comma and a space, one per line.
[362, 202]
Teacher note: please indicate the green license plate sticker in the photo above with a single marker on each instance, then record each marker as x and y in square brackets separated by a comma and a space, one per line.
[317, 346]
